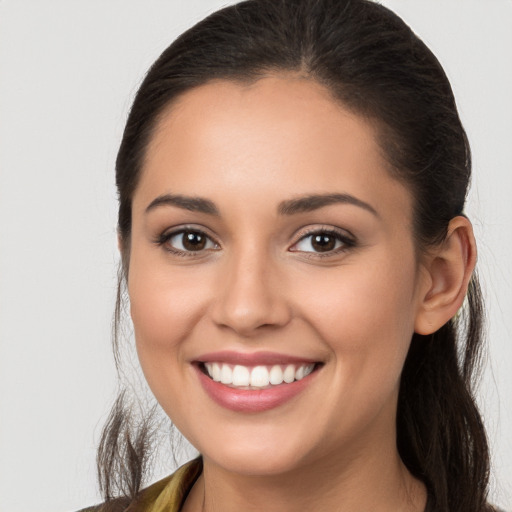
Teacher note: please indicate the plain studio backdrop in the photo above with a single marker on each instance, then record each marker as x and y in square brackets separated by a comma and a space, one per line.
[69, 70]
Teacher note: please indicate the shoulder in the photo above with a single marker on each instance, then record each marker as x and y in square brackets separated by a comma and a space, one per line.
[168, 492]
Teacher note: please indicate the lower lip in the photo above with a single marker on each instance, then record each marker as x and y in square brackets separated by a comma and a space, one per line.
[246, 400]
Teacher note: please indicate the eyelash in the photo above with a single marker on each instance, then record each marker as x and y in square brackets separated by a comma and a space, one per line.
[347, 242]
[164, 238]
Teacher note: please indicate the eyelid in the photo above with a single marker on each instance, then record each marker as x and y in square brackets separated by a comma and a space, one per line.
[345, 237]
[165, 236]
[348, 240]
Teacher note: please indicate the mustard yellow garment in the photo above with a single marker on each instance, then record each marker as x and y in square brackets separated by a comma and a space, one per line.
[166, 495]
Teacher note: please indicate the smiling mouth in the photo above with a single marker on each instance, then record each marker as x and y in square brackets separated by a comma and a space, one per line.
[256, 377]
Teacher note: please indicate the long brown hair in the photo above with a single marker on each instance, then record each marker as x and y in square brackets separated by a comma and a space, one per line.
[376, 66]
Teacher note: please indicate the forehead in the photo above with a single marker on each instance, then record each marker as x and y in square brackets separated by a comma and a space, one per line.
[279, 136]
[273, 115]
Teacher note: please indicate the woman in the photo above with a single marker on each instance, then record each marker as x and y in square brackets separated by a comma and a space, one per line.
[292, 180]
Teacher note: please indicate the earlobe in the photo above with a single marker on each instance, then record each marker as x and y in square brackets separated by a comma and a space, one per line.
[449, 267]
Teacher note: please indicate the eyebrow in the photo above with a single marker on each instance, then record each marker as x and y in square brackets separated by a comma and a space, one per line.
[289, 207]
[193, 204]
[316, 201]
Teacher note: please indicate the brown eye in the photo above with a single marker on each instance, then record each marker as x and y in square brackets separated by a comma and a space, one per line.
[187, 241]
[193, 241]
[322, 241]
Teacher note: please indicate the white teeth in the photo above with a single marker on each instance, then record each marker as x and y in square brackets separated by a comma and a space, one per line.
[241, 376]
[226, 374]
[308, 369]
[303, 371]
[289, 374]
[258, 376]
[276, 375]
[215, 372]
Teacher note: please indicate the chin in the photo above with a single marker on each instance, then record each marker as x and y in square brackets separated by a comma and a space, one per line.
[260, 457]
[256, 462]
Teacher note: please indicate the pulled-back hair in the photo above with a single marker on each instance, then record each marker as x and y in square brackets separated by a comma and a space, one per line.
[374, 65]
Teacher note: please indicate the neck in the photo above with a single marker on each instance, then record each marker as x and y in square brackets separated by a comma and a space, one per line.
[375, 480]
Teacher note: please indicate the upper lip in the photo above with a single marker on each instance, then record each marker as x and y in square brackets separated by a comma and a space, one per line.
[252, 359]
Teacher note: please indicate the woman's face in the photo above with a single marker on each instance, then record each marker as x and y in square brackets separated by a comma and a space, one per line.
[271, 246]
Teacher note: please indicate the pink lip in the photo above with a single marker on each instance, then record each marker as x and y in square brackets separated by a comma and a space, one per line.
[252, 401]
[254, 359]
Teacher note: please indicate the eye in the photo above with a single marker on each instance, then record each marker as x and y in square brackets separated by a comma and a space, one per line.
[186, 241]
[323, 241]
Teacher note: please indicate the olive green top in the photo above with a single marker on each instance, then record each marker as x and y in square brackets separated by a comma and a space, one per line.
[166, 495]
[169, 494]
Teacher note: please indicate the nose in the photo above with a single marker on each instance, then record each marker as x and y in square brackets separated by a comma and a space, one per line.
[251, 296]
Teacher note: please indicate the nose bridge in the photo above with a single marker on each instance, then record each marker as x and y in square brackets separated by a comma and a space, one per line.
[249, 293]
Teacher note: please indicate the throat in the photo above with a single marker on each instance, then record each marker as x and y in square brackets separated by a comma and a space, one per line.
[219, 491]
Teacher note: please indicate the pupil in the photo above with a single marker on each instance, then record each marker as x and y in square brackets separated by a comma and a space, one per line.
[193, 241]
[323, 243]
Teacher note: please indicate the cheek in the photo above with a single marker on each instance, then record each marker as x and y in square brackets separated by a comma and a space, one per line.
[165, 306]
[163, 303]
[362, 297]
[365, 314]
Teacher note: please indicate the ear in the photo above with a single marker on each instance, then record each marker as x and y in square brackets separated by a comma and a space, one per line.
[448, 269]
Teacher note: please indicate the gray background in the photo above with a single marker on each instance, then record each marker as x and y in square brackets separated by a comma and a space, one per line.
[69, 69]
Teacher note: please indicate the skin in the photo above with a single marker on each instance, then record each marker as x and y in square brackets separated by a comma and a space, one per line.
[260, 285]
